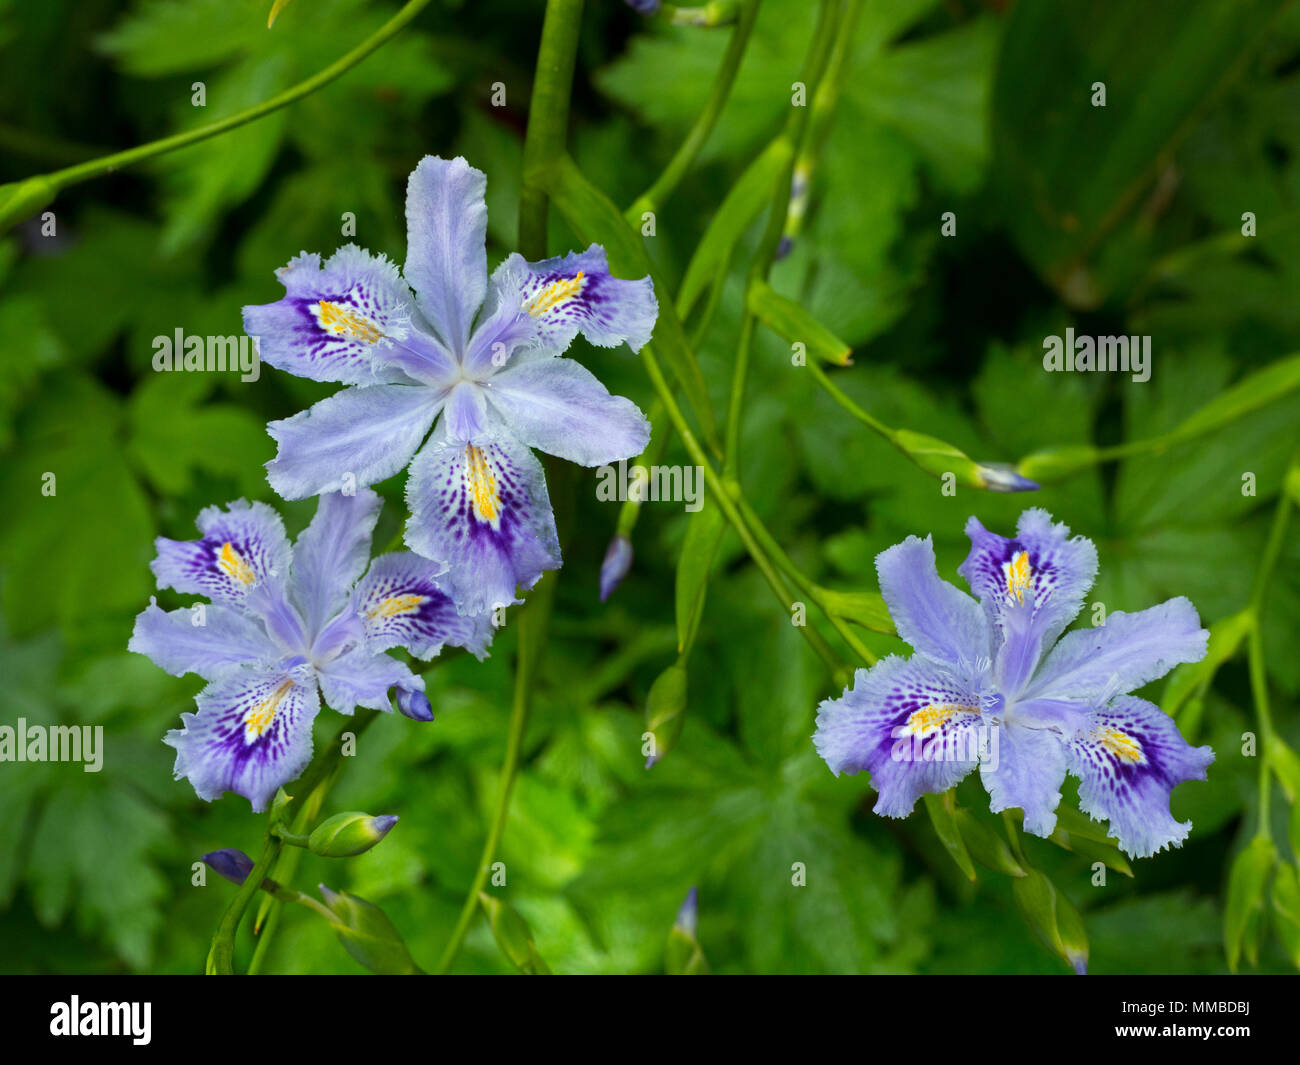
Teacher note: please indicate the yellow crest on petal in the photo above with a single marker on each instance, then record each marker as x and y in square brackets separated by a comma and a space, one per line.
[481, 484]
[1123, 746]
[259, 718]
[554, 294]
[1020, 576]
[233, 565]
[397, 605]
[335, 318]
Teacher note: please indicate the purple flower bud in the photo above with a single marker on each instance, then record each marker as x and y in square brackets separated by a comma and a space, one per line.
[688, 915]
[414, 704]
[230, 863]
[1001, 477]
[784, 248]
[643, 7]
[618, 560]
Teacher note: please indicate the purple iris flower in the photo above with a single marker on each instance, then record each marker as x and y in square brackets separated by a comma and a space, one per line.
[995, 684]
[481, 352]
[286, 627]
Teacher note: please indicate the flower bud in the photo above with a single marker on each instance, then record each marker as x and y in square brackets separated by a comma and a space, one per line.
[348, 834]
[231, 863]
[618, 560]
[367, 934]
[683, 955]
[414, 704]
[1002, 477]
[665, 711]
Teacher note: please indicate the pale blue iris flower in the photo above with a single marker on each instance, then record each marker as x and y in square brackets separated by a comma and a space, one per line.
[1058, 703]
[479, 356]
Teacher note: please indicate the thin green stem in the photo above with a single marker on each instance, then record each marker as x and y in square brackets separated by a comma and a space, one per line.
[221, 957]
[532, 626]
[1255, 646]
[654, 197]
[829, 14]
[93, 168]
[548, 118]
[723, 495]
[316, 784]
[801, 580]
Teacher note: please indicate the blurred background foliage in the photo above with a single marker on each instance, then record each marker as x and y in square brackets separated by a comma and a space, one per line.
[1115, 220]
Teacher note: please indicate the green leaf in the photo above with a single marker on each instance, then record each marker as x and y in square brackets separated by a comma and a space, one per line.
[1252, 392]
[1285, 764]
[513, 936]
[704, 530]
[987, 846]
[940, 809]
[172, 435]
[368, 935]
[1160, 64]
[789, 320]
[1226, 635]
[867, 609]
[743, 203]
[665, 709]
[76, 526]
[1247, 881]
[1053, 918]
[1286, 910]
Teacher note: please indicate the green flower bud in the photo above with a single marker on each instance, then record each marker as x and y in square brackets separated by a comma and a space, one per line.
[347, 834]
[367, 934]
[665, 711]
[513, 935]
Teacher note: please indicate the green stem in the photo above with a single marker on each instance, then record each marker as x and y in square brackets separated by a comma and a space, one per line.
[801, 580]
[1255, 646]
[532, 625]
[61, 179]
[316, 784]
[828, 19]
[653, 198]
[723, 494]
[548, 118]
[221, 958]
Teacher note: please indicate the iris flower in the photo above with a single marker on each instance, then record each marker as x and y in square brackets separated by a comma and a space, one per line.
[1058, 703]
[288, 626]
[480, 356]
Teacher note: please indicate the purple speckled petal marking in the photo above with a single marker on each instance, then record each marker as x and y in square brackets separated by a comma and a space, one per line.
[401, 605]
[251, 735]
[481, 509]
[243, 546]
[1031, 588]
[335, 321]
[576, 294]
[1128, 763]
[911, 724]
